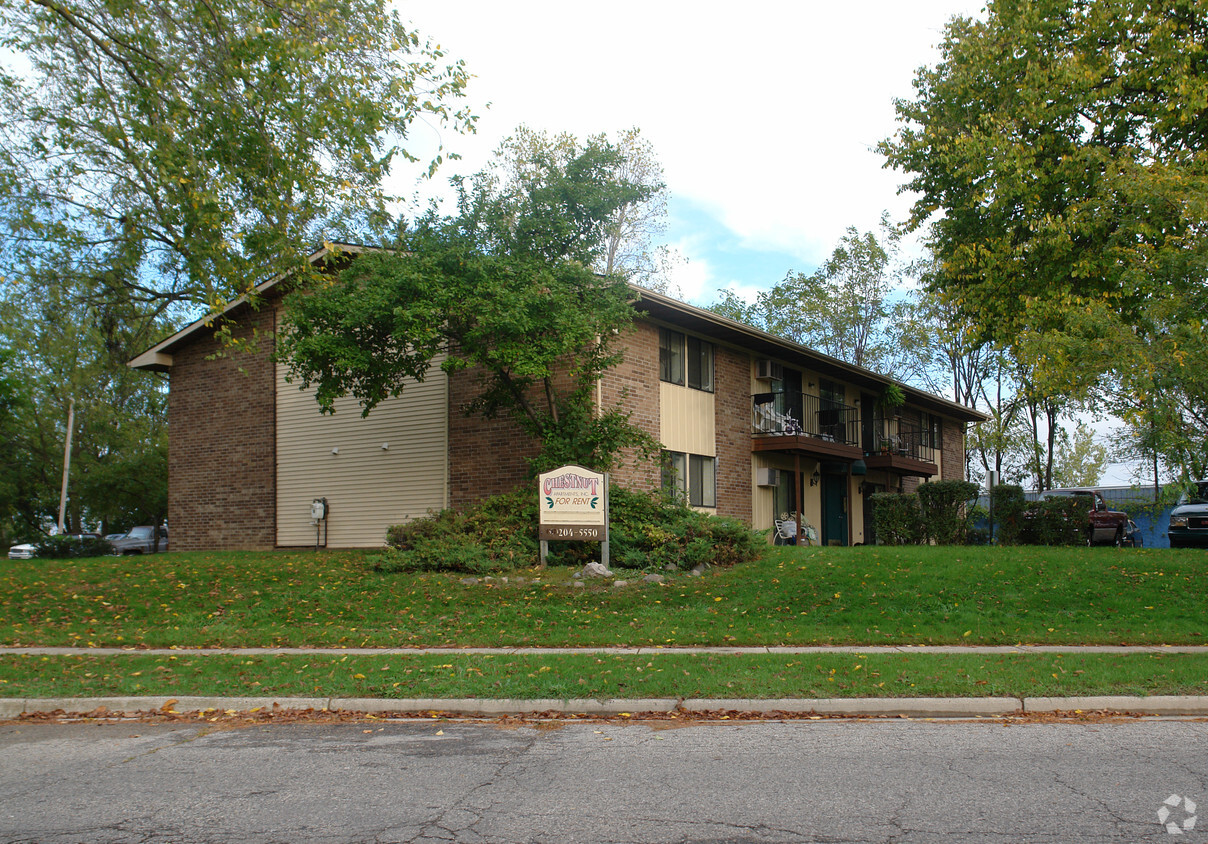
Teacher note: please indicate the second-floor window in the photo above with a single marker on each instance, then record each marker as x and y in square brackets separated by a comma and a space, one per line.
[685, 359]
[933, 428]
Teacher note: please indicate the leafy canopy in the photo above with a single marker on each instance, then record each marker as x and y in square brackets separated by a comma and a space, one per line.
[1059, 151]
[211, 140]
[502, 290]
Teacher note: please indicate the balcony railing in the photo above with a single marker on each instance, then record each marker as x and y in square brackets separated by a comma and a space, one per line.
[905, 441]
[781, 414]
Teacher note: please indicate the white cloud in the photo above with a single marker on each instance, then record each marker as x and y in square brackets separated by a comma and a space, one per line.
[764, 112]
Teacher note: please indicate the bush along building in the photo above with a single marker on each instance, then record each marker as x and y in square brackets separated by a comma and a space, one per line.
[752, 426]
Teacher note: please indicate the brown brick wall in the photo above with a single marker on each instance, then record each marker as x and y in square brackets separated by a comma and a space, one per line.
[486, 456]
[732, 425]
[222, 447]
[953, 451]
[634, 386]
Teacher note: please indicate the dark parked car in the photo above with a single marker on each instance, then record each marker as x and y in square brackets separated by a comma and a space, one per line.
[1106, 526]
[141, 540]
[1189, 518]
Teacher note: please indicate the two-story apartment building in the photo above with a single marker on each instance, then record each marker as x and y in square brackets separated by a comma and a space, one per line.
[753, 426]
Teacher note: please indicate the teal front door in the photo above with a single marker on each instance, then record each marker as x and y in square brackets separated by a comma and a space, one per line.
[834, 509]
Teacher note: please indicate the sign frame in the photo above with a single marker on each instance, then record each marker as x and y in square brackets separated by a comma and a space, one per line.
[573, 515]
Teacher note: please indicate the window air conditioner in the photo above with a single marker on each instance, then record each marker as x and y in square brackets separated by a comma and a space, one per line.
[768, 477]
[767, 370]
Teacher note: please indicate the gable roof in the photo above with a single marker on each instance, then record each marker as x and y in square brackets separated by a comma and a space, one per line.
[659, 307]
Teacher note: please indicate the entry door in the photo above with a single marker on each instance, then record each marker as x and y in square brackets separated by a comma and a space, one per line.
[834, 509]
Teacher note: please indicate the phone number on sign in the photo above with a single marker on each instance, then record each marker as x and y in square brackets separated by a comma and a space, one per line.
[571, 532]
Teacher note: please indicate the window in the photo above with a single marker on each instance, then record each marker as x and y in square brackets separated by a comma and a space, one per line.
[671, 356]
[933, 427]
[678, 353]
[702, 481]
[675, 474]
[690, 476]
[700, 364]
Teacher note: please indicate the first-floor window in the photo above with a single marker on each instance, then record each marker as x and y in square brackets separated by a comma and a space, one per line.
[692, 477]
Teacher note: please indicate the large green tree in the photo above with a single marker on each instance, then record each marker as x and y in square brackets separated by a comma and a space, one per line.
[504, 289]
[1059, 152]
[843, 309]
[630, 233]
[215, 142]
[65, 349]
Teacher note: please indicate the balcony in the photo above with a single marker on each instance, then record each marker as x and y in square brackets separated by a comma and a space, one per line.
[906, 451]
[804, 424]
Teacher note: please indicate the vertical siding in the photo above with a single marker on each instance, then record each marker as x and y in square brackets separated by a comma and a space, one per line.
[368, 488]
[686, 420]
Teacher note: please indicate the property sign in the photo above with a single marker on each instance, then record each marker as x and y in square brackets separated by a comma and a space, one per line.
[573, 504]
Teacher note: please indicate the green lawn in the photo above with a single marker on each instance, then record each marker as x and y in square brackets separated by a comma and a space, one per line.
[603, 676]
[794, 596]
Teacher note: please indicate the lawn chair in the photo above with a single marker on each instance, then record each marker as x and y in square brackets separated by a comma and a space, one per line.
[786, 532]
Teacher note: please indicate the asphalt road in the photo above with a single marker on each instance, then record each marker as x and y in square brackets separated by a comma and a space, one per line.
[802, 781]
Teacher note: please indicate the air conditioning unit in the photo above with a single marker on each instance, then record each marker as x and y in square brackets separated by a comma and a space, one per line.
[768, 370]
[767, 477]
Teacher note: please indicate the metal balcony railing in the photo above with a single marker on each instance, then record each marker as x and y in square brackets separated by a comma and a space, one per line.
[781, 414]
[905, 441]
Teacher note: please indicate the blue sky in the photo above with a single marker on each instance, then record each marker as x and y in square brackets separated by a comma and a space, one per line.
[763, 114]
[720, 258]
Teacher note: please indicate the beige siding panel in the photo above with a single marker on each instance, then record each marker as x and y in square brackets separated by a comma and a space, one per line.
[686, 420]
[763, 503]
[367, 487]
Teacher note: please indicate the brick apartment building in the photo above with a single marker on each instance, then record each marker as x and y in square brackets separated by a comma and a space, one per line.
[753, 425]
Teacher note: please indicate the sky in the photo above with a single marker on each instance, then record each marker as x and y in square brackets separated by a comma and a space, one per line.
[765, 115]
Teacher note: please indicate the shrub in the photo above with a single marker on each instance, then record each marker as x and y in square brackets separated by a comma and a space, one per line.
[897, 518]
[945, 518]
[645, 531]
[1052, 521]
[65, 547]
[1057, 521]
[1008, 508]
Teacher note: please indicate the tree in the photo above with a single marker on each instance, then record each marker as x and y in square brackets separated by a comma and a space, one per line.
[64, 348]
[628, 246]
[505, 290]
[206, 145]
[842, 309]
[1059, 150]
[1079, 461]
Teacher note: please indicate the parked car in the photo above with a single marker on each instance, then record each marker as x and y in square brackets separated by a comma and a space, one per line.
[24, 551]
[1189, 518]
[1106, 526]
[29, 550]
[141, 540]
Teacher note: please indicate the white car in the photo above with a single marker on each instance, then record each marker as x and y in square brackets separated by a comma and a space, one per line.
[22, 552]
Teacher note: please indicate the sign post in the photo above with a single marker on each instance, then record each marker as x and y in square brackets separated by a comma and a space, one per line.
[573, 504]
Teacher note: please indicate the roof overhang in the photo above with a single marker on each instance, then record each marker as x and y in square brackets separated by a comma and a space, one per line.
[656, 305]
[158, 358]
[742, 336]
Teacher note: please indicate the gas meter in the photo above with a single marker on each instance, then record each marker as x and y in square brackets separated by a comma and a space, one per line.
[318, 509]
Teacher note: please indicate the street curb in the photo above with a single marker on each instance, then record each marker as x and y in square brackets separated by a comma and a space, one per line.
[914, 707]
[992, 707]
[1155, 705]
